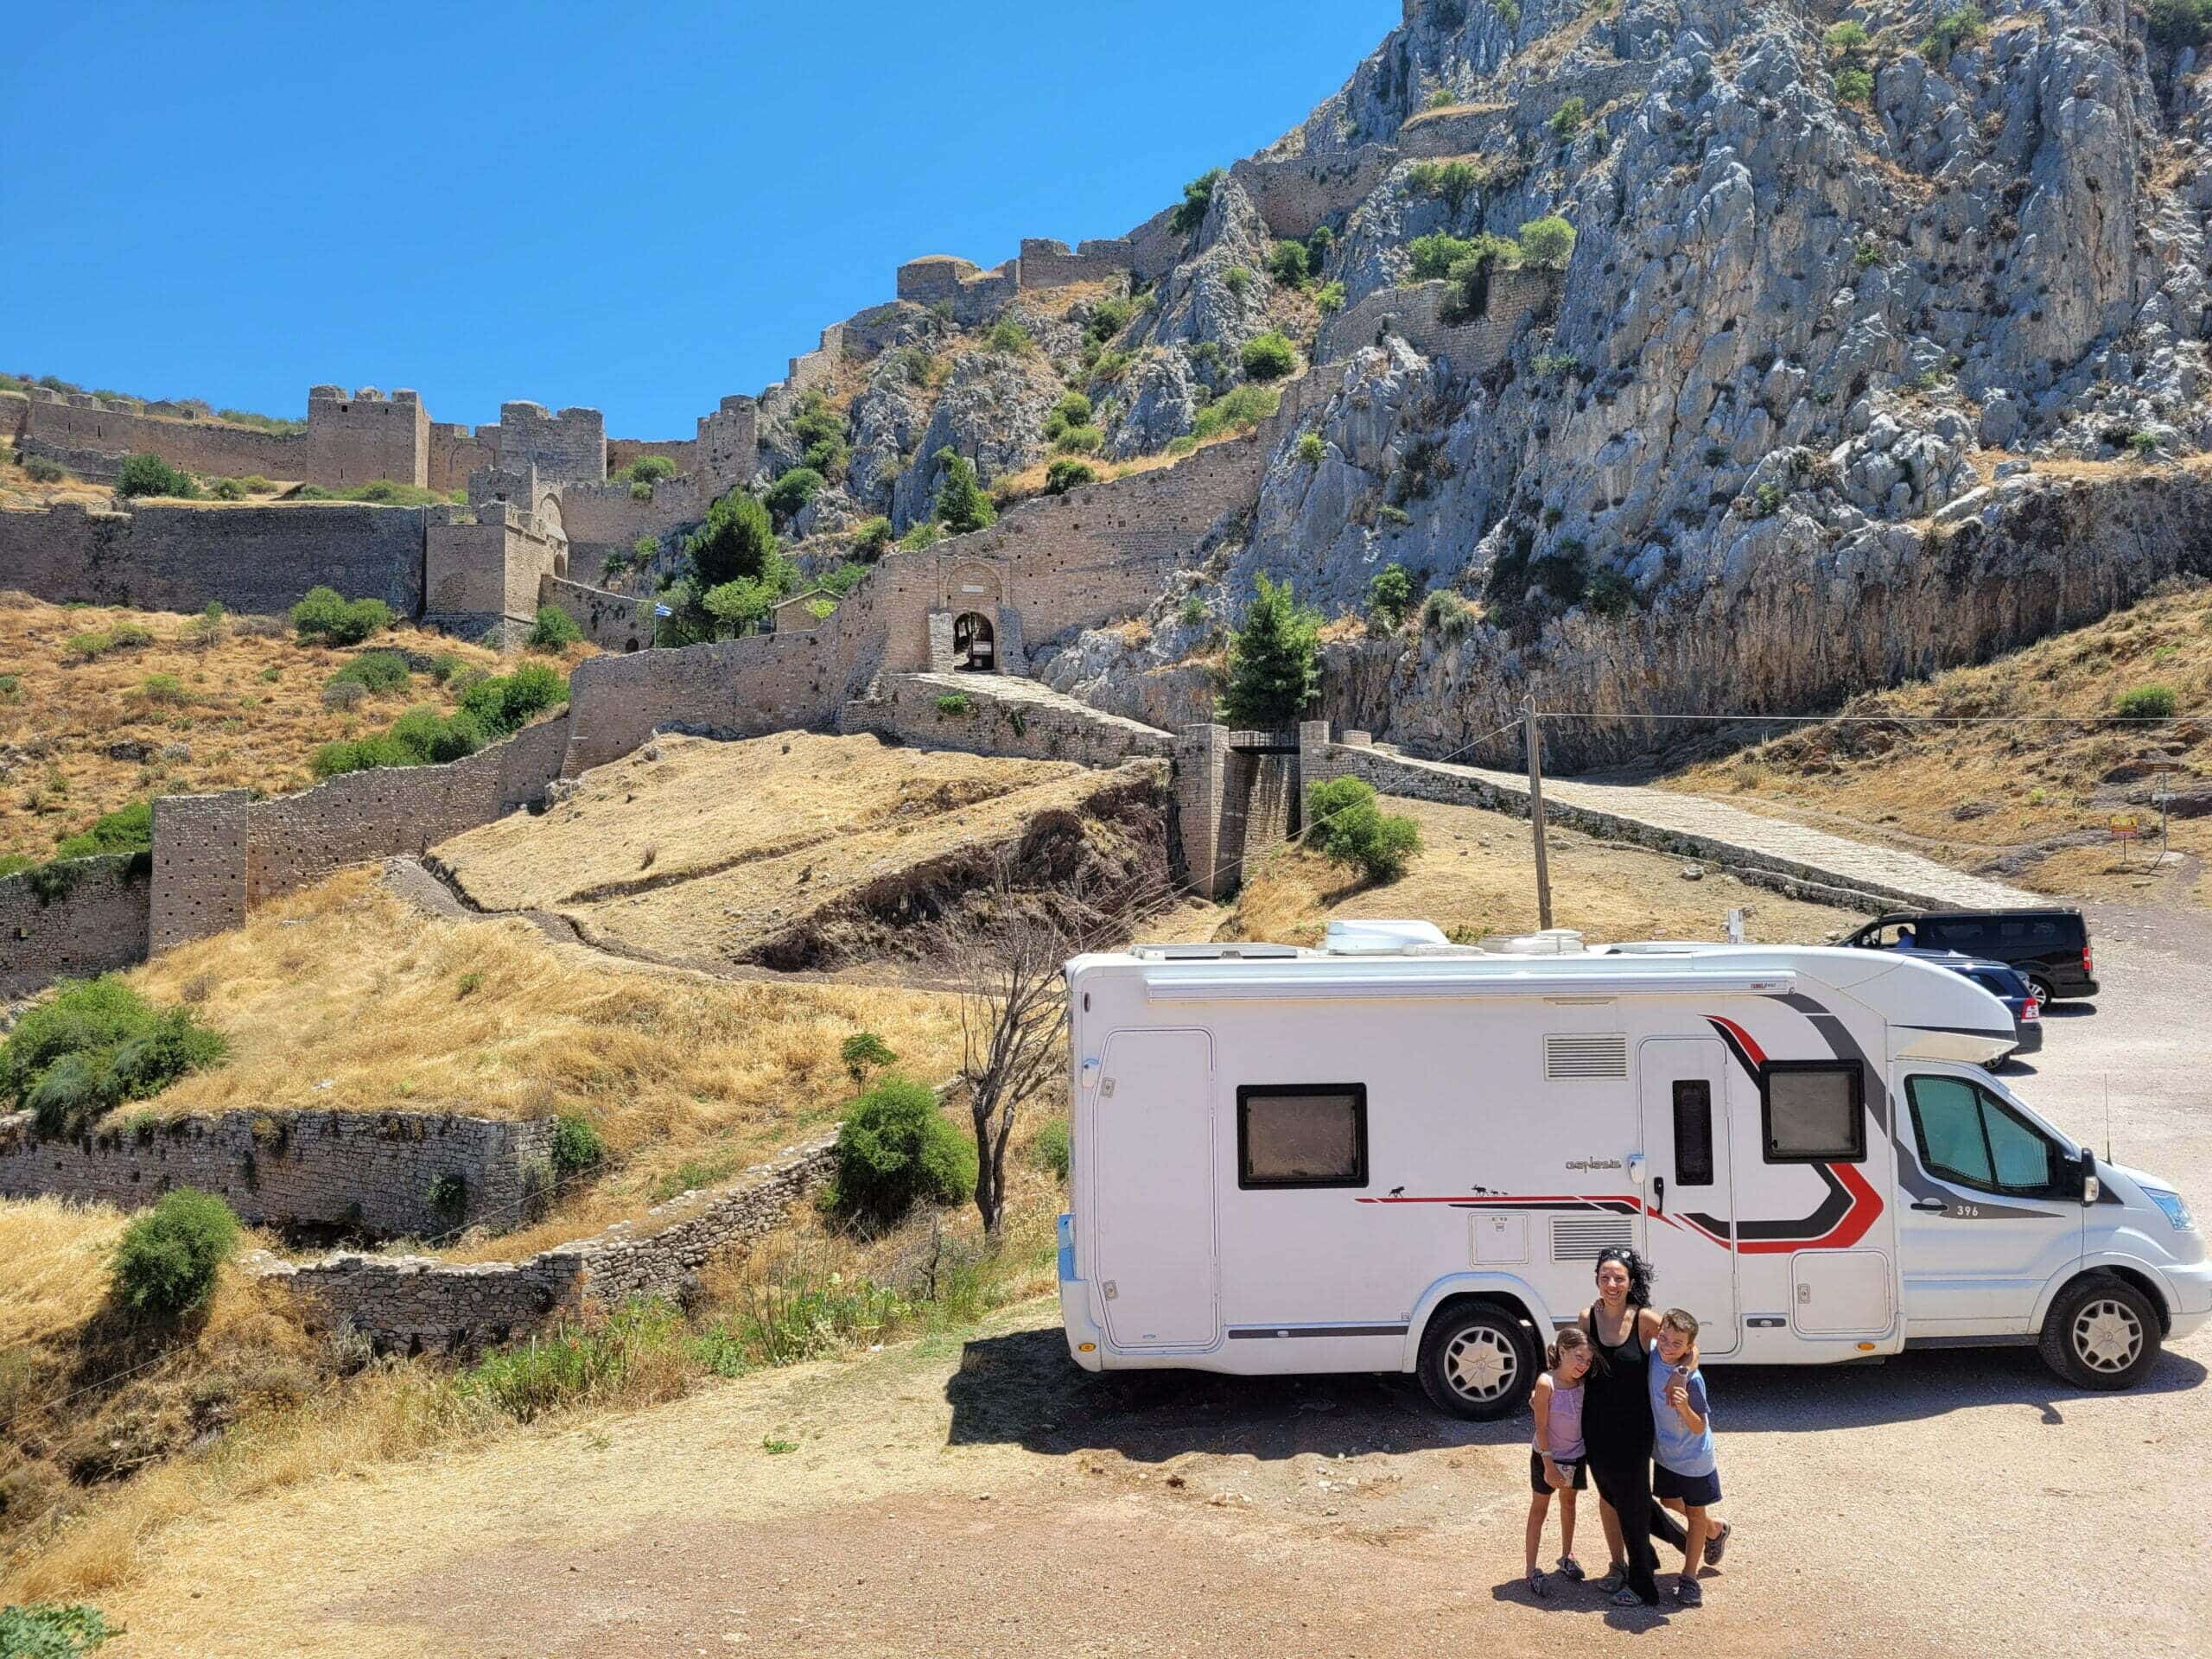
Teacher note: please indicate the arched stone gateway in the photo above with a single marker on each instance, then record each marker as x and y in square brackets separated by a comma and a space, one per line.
[973, 644]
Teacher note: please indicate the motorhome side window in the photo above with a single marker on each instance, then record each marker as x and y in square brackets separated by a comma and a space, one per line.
[1967, 1135]
[1302, 1134]
[1814, 1111]
[1693, 1132]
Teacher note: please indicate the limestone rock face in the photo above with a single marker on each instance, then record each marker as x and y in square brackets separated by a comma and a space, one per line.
[992, 410]
[1162, 406]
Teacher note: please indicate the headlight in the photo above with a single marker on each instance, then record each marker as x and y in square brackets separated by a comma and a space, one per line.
[2177, 1212]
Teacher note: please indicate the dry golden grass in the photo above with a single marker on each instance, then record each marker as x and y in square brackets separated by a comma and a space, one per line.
[69, 724]
[2016, 784]
[18, 489]
[57, 1254]
[1475, 875]
[343, 998]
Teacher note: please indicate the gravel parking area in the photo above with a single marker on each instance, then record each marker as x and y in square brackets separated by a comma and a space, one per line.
[983, 1496]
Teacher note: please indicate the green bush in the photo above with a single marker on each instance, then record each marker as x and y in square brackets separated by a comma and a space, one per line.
[1346, 826]
[1239, 410]
[1073, 409]
[1436, 254]
[447, 1197]
[1065, 475]
[1452, 181]
[1953, 28]
[48, 1630]
[2146, 703]
[576, 1366]
[871, 537]
[1108, 318]
[326, 616]
[1286, 264]
[927, 533]
[1447, 613]
[505, 703]
[793, 488]
[1080, 441]
[1273, 669]
[1050, 1146]
[1238, 281]
[953, 705]
[164, 688]
[962, 504]
[1310, 449]
[124, 635]
[1609, 592]
[39, 470]
[1548, 242]
[169, 1257]
[94, 1044]
[737, 541]
[1010, 339]
[552, 629]
[1198, 196]
[127, 829]
[864, 1052]
[1269, 356]
[375, 671]
[1854, 85]
[227, 489]
[896, 1149]
[650, 469]
[1390, 595]
[1330, 296]
[1847, 40]
[2179, 24]
[1569, 118]
[151, 475]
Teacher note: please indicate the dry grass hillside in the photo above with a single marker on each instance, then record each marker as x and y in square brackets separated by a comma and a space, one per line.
[2026, 784]
[794, 851]
[687, 1079]
[83, 733]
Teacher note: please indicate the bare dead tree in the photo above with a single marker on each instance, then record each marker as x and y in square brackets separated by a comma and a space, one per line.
[1007, 951]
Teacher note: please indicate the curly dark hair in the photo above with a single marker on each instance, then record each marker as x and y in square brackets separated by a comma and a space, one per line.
[1639, 1275]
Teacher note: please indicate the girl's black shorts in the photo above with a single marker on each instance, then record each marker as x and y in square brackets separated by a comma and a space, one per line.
[1577, 1470]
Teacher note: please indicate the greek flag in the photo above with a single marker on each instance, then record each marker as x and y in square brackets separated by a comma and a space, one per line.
[663, 610]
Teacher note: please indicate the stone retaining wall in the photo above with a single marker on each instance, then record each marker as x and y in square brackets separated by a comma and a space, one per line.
[373, 1170]
[1415, 314]
[415, 1303]
[91, 918]
[1038, 729]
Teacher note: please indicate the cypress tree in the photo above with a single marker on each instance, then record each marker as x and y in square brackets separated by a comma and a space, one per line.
[1273, 673]
[960, 501]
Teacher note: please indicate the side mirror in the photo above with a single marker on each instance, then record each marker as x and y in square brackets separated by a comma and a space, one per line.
[2092, 1188]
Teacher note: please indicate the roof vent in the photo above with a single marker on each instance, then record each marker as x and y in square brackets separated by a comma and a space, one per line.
[1379, 939]
[1583, 1055]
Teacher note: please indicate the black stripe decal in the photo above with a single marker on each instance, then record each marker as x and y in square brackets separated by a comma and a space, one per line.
[1243, 1332]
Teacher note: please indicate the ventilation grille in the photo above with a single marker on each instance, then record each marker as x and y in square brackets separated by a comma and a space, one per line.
[1581, 1238]
[1585, 1054]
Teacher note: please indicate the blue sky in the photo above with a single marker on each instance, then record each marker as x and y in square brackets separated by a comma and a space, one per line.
[567, 204]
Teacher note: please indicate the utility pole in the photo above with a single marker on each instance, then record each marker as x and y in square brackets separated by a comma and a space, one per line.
[1534, 739]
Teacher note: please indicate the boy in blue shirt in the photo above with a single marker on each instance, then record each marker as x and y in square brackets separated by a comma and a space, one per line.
[1684, 1475]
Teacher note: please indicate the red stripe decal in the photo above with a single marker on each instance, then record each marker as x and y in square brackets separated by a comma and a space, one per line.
[1757, 1055]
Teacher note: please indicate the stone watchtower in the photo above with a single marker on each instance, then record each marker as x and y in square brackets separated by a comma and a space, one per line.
[358, 437]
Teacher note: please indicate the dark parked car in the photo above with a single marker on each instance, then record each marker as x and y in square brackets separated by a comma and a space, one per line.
[2050, 947]
[2008, 986]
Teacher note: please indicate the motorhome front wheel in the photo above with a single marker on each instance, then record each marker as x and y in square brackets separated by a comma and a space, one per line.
[2101, 1332]
[1478, 1360]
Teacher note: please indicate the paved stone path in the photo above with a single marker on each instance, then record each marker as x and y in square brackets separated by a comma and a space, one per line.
[1700, 826]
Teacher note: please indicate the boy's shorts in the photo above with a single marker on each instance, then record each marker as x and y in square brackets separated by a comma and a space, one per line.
[1577, 1471]
[1695, 1491]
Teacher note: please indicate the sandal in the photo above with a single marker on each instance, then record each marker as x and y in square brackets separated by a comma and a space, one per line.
[1718, 1542]
[1539, 1584]
[1625, 1597]
[1570, 1569]
[1614, 1580]
[1689, 1592]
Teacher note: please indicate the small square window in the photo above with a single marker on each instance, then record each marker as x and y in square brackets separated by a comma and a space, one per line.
[1302, 1134]
[1693, 1132]
[1813, 1111]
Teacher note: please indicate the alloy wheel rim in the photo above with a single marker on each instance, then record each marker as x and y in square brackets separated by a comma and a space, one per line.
[1481, 1364]
[2107, 1336]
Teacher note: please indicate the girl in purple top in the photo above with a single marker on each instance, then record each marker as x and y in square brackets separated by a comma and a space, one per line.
[1556, 1464]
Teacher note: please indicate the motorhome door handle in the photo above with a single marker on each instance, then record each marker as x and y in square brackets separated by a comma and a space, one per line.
[1659, 1192]
[1930, 1206]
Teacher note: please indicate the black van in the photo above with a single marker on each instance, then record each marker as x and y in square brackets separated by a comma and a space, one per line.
[2050, 947]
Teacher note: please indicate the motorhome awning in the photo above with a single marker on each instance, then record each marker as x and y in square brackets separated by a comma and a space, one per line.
[1340, 984]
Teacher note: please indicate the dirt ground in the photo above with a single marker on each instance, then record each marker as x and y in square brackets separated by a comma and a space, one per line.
[979, 1495]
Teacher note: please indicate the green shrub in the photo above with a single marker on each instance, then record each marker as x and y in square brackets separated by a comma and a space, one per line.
[1767, 499]
[326, 616]
[1050, 1146]
[1198, 196]
[1072, 411]
[962, 504]
[2179, 24]
[1847, 40]
[1111, 366]
[39, 470]
[1390, 595]
[48, 1630]
[869, 540]
[737, 541]
[1447, 613]
[1569, 118]
[1310, 449]
[650, 469]
[1108, 318]
[577, 1365]
[1065, 475]
[127, 829]
[864, 1052]
[1436, 254]
[1955, 27]
[11, 688]
[1286, 264]
[1330, 296]
[151, 475]
[2144, 446]
[1868, 252]
[1548, 242]
[896, 1149]
[2146, 703]
[1273, 670]
[1080, 441]
[1854, 85]
[1454, 182]
[1238, 281]
[1010, 339]
[1269, 356]
[505, 703]
[954, 705]
[1544, 364]
[552, 629]
[1239, 410]
[927, 533]
[167, 1261]
[164, 688]
[793, 488]
[227, 489]
[447, 1197]
[375, 671]
[123, 636]
[1609, 592]
[1346, 826]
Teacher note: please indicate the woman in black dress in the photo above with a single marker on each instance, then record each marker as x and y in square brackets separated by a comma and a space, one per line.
[1617, 1423]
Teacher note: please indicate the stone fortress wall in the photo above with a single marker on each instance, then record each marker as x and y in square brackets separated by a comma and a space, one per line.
[350, 438]
[375, 1171]
[97, 921]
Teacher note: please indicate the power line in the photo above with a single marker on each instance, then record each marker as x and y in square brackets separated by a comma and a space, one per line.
[1870, 719]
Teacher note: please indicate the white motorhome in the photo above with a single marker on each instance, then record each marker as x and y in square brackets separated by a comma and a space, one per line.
[1395, 1154]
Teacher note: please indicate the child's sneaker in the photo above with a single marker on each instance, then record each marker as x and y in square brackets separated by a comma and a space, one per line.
[1570, 1569]
[1718, 1542]
[1688, 1591]
[1539, 1584]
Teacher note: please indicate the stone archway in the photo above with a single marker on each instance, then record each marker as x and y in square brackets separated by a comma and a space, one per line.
[973, 644]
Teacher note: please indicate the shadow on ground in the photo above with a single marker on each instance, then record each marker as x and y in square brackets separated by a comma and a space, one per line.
[1020, 1389]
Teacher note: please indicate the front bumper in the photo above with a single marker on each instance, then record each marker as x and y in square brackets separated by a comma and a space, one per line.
[2189, 1294]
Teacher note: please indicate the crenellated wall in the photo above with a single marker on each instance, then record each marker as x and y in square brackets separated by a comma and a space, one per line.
[350, 438]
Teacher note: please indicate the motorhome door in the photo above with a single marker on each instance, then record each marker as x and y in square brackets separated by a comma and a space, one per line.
[1690, 1235]
[1152, 1166]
